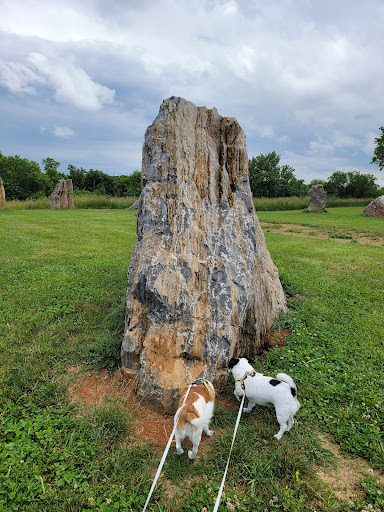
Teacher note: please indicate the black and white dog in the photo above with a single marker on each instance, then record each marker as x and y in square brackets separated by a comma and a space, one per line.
[262, 390]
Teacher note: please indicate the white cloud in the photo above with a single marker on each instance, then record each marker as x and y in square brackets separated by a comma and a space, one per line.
[71, 84]
[63, 132]
[19, 78]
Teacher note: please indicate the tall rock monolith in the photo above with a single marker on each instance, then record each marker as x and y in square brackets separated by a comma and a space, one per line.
[202, 286]
[62, 197]
[375, 208]
[2, 194]
[317, 198]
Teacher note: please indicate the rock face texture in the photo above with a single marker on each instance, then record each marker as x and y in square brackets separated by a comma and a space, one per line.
[2, 194]
[202, 286]
[62, 197]
[317, 198]
[375, 208]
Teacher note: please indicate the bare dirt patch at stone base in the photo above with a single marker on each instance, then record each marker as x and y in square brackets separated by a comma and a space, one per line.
[349, 471]
[148, 425]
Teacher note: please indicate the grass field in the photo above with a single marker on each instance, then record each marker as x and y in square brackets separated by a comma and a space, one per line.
[96, 201]
[63, 276]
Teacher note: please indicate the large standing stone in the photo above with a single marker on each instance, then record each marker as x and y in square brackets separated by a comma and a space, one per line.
[2, 194]
[62, 197]
[202, 286]
[317, 198]
[375, 208]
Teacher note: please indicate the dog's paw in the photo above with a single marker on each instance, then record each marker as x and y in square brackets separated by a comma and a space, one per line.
[209, 433]
[278, 436]
[179, 451]
[247, 411]
[191, 455]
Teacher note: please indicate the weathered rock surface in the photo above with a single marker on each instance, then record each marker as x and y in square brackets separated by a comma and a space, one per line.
[317, 198]
[202, 286]
[2, 194]
[375, 208]
[62, 197]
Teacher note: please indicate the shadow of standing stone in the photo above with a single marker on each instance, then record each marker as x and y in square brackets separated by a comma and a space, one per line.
[62, 197]
[2, 194]
[317, 199]
[375, 208]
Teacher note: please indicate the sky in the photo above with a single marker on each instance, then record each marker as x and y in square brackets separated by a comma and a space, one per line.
[80, 81]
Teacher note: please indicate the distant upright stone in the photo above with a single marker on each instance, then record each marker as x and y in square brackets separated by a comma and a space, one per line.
[2, 194]
[202, 286]
[62, 197]
[375, 208]
[317, 199]
[135, 205]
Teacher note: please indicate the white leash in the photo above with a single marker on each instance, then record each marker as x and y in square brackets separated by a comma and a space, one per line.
[166, 452]
[229, 456]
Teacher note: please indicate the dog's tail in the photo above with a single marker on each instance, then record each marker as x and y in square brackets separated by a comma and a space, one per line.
[286, 378]
[203, 420]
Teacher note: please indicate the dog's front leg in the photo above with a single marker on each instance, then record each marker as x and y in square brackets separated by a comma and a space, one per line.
[239, 391]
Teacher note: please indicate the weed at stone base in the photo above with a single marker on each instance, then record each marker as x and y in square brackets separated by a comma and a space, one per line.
[109, 422]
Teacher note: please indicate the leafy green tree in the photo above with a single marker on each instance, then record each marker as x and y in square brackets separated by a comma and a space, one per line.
[22, 178]
[95, 179]
[130, 185]
[378, 153]
[351, 184]
[264, 175]
[77, 176]
[268, 179]
[52, 175]
[337, 184]
[289, 184]
[361, 185]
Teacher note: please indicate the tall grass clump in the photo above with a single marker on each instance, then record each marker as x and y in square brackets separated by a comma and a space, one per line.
[81, 201]
[95, 201]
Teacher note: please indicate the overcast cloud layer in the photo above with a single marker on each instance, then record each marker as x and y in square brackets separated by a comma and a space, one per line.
[81, 81]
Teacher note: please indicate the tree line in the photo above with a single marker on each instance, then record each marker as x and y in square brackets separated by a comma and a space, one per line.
[270, 179]
[24, 179]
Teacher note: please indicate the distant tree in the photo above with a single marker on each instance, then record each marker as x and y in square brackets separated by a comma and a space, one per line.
[52, 175]
[264, 175]
[130, 185]
[351, 184]
[268, 179]
[289, 184]
[378, 153]
[22, 178]
[77, 176]
[95, 180]
[337, 184]
[317, 182]
[361, 185]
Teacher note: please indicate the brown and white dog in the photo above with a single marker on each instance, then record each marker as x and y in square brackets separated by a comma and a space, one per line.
[195, 415]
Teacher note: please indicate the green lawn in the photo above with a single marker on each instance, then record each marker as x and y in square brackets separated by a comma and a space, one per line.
[63, 276]
[344, 219]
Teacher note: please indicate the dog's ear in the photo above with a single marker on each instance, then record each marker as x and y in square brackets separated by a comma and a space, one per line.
[233, 362]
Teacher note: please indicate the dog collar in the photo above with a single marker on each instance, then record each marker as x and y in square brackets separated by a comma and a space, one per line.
[246, 374]
[200, 381]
